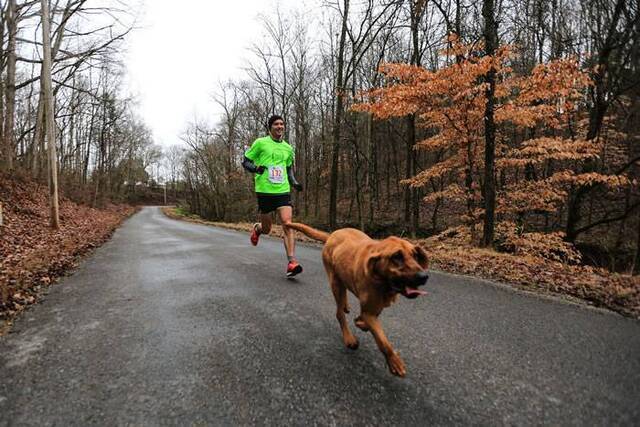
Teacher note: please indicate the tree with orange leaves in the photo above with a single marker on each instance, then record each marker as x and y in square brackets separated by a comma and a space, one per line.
[538, 145]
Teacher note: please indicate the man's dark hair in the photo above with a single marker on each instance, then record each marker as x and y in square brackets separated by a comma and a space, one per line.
[272, 119]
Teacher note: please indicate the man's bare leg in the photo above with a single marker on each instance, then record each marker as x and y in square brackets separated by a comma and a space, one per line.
[264, 226]
[293, 267]
[285, 213]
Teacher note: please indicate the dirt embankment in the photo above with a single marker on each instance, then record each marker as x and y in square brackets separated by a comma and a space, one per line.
[32, 255]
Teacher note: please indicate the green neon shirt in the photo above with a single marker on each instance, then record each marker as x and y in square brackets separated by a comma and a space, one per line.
[275, 157]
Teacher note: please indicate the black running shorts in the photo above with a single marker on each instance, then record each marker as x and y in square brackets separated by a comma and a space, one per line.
[270, 202]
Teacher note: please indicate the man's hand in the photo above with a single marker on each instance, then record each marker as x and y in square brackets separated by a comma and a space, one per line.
[297, 186]
[260, 170]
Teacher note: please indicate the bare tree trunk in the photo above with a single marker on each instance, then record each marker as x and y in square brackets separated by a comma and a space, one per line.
[412, 204]
[38, 146]
[38, 137]
[318, 166]
[102, 153]
[87, 153]
[491, 44]
[409, 142]
[358, 185]
[3, 17]
[45, 81]
[599, 89]
[635, 260]
[372, 176]
[74, 136]
[601, 100]
[10, 85]
[337, 121]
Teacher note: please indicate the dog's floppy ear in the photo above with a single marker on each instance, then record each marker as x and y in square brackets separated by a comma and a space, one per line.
[372, 263]
[421, 257]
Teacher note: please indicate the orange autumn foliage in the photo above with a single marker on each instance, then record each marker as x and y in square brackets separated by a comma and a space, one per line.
[538, 144]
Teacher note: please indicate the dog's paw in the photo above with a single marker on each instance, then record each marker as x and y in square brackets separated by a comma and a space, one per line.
[351, 342]
[396, 365]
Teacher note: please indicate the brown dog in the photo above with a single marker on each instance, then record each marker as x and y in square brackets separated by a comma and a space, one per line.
[375, 271]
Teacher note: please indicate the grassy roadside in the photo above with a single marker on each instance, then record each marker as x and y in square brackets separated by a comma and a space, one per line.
[276, 230]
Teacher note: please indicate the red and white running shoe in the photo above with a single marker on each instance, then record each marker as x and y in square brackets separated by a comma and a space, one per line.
[255, 234]
[293, 268]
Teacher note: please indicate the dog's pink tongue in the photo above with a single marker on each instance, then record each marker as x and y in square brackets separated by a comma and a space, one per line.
[414, 292]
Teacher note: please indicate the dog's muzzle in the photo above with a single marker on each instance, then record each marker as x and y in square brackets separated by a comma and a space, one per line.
[421, 278]
[409, 288]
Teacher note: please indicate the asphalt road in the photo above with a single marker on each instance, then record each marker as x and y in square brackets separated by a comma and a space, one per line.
[178, 323]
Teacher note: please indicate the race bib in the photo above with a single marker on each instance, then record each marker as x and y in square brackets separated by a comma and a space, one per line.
[276, 174]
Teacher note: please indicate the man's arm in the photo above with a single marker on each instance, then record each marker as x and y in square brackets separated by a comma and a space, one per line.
[253, 153]
[292, 179]
[251, 167]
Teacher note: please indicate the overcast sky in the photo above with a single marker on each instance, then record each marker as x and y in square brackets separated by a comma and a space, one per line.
[180, 52]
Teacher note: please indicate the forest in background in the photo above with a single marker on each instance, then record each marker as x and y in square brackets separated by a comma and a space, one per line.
[513, 124]
[103, 151]
[502, 124]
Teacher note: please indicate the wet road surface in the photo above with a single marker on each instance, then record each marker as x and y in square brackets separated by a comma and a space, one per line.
[178, 323]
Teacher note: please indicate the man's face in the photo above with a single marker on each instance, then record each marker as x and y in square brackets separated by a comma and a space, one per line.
[277, 129]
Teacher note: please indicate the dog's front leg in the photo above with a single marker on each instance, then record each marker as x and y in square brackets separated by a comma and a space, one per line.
[340, 294]
[396, 365]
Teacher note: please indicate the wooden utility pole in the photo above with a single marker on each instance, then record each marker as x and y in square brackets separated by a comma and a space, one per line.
[50, 126]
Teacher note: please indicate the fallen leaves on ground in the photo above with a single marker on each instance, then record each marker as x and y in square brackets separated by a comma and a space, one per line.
[32, 255]
[598, 287]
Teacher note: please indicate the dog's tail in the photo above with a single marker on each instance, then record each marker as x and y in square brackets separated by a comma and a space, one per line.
[309, 231]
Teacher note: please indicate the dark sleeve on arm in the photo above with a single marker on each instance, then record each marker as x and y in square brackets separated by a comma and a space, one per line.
[249, 165]
[292, 178]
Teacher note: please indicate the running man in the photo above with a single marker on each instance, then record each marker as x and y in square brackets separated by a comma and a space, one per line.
[270, 158]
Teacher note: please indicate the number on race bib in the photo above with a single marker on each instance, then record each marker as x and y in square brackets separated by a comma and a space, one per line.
[276, 174]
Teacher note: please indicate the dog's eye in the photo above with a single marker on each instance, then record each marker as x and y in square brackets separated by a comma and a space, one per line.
[397, 258]
[419, 256]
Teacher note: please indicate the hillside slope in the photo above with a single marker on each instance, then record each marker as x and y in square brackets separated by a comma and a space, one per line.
[32, 255]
